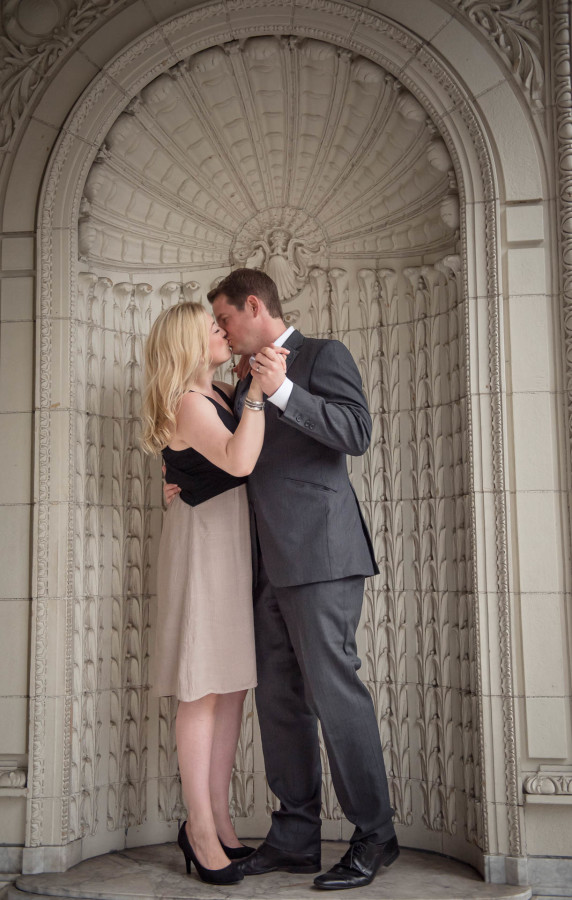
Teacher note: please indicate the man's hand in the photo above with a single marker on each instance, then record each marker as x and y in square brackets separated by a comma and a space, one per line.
[269, 368]
[243, 366]
[169, 490]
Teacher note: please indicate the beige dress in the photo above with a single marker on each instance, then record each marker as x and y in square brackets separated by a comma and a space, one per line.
[204, 631]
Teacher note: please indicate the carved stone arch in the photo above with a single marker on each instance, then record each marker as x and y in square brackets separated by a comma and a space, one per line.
[468, 137]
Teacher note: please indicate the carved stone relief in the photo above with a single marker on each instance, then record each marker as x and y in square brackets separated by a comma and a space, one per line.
[361, 172]
[36, 36]
[329, 298]
[403, 322]
[550, 781]
[515, 28]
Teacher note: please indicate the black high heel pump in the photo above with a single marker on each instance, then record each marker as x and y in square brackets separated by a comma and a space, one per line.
[227, 875]
[237, 852]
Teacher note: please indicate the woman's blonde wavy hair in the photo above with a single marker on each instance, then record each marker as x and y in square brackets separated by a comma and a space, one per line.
[177, 350]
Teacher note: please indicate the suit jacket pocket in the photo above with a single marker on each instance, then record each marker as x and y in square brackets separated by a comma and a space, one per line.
[311, 484]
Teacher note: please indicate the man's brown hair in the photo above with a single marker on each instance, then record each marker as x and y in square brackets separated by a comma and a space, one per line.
[241, 283]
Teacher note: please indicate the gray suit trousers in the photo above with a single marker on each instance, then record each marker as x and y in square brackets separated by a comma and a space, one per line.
[307, 670]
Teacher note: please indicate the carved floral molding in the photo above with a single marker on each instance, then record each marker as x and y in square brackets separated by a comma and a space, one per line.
[515, 29]
[549, 781]
[12, 778]
[35, 37]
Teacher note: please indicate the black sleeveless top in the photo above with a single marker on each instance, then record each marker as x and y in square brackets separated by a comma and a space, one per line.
[198, 478]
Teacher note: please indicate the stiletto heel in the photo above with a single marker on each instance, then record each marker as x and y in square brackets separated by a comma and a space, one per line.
[227, 875]
[241, 852]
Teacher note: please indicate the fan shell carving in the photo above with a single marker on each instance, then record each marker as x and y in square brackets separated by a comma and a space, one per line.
[282, 153]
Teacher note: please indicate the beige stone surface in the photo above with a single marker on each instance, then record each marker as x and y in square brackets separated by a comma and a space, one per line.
[150, 872]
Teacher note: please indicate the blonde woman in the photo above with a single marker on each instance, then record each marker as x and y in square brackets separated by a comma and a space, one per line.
[204, 650]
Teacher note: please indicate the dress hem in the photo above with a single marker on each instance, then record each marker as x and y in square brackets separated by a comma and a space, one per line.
[204, 693]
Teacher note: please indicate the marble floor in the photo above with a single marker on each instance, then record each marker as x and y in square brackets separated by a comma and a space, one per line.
[146, 873]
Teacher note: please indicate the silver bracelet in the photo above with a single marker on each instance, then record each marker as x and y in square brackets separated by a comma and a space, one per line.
[256, 405]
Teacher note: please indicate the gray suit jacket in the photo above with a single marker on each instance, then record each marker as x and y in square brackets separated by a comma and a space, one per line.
[307, 516]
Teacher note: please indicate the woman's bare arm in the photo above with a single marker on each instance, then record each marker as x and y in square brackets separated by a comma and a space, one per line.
[199, 427]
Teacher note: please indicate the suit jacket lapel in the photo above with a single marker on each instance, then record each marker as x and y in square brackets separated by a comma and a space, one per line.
[293, 344]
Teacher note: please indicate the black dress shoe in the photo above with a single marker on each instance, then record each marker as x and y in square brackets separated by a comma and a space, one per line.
[359, 865]
[271, 859]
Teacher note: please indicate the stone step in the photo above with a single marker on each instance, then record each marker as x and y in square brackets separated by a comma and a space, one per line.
[147, 873]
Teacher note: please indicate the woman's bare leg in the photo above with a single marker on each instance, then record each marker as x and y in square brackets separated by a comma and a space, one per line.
[195, 728]
[226, 734]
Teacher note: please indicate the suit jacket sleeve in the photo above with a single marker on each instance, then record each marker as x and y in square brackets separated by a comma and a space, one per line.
[333, 411]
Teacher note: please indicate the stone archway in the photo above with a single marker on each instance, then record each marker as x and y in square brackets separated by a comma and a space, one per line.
[426, 294]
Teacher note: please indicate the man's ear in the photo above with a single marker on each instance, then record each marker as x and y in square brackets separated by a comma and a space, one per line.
[253, 304]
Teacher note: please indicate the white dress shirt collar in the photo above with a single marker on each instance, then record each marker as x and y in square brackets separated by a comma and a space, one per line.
[284, 336]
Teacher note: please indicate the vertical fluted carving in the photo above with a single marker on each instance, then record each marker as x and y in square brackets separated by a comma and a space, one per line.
[340, 301]
[171, 803]
[242, 783]
[130, 563]
[88, 556]
[430, 441]
[320, 321]
[384, 619]
[410, 341]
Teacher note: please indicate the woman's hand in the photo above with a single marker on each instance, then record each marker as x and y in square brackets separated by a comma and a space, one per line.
[169, 490]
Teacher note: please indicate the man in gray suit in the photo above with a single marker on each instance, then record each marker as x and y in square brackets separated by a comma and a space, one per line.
[313, 553]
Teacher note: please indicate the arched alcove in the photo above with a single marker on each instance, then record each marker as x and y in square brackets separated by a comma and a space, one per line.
[313, 163]
[412, 314]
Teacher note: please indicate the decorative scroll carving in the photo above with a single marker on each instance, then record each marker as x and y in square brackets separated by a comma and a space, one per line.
[550, 781]
[283, 257]
[514, 27]
[12, 778]
[28, 56]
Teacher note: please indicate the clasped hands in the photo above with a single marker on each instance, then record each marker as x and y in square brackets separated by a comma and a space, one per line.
[267, 367]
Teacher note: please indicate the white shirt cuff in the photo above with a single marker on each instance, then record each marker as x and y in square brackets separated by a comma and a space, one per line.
[280, 397]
